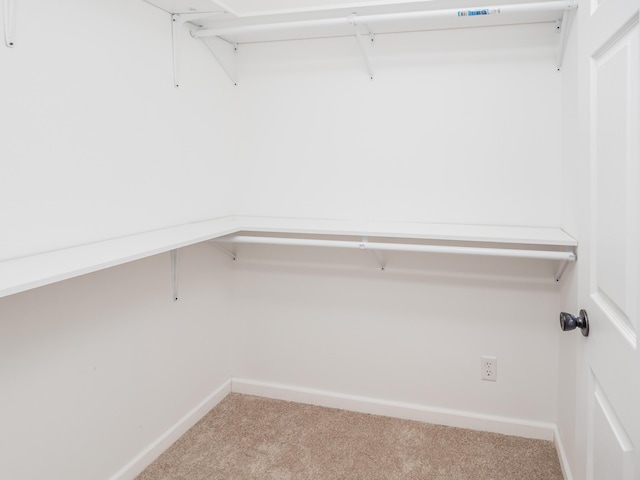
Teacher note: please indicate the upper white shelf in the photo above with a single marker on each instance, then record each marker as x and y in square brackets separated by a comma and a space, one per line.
[21, 274]
[399, 19]
[216, 18]
[207, 19]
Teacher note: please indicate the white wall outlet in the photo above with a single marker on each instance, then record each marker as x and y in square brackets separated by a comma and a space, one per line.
[489, 368]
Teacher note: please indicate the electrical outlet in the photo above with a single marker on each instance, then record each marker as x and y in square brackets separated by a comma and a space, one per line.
[489, 368]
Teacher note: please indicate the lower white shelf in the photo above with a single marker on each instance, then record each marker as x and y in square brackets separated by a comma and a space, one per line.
[442, 239]
[21, 274]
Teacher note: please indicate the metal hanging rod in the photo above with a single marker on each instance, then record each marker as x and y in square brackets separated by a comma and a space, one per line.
[565, 256]
[559, 6]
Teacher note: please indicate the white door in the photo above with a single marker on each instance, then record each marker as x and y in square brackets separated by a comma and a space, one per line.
[610, 237]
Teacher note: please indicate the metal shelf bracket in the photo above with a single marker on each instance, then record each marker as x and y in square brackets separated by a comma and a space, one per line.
[228, 253]
[231, 73]
[375, 253]
[177, 27]
[362, 44]
[563, 25]
[174, 274]
[563, 266]
[9, 15]
[177, 22]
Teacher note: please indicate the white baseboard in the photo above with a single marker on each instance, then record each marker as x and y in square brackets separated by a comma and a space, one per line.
[408, 411]
[153, 451]
[562, 455]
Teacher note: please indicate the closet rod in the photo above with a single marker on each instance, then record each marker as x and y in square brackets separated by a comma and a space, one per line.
[566, 256]
[559, 6]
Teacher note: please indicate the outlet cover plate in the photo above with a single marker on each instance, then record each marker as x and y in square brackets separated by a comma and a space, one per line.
[489, 368]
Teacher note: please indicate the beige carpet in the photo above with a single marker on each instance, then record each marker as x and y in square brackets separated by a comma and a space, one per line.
[247, 437]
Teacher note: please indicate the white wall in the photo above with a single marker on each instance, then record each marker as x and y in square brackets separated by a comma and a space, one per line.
[329, 320]
[96, 142]
[457, 127]
[95, 369]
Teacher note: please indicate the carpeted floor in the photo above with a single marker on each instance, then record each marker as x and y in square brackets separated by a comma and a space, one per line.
[246, 437]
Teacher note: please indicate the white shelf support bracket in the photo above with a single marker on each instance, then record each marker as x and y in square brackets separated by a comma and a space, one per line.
[9, 15]
[228, 253]
[177, 28]
[174, 274]
[364, 246]
[564, 27]
[231, 73]
[563, 266]
[561, 269]
[362, 44]
[381, 262]
[177, 22]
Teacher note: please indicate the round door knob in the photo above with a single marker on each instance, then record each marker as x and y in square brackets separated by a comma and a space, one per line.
[570, 322]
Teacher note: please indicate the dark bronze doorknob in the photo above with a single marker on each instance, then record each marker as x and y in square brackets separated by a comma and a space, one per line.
[570, 322]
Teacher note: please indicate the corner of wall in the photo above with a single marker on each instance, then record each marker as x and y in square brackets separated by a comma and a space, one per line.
[567, 354]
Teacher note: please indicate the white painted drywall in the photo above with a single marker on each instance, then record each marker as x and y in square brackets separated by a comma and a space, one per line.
[95, 369]
[97, 143]
[95, 140]
[330, 320]
[457, 127]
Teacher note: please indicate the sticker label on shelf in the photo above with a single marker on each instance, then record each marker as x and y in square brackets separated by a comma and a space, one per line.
[481, 11]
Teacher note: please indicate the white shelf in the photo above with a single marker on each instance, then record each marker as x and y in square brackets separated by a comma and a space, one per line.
[34, 271]
[21, 274]
[209, 19]
[381, 18]
[553, 237]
